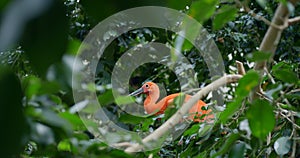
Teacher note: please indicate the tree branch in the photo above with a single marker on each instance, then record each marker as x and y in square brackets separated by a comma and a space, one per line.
[177, 117]
[240, 68]
[271, 40]
[294, 20]
[259, 17]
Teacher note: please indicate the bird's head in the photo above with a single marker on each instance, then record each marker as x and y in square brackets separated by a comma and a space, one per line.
[147, 88]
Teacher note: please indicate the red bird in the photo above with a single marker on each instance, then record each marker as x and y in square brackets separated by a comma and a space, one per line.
[152, 105]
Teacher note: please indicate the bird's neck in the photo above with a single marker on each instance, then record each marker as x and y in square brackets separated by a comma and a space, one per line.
[150, 103]
[151, 98]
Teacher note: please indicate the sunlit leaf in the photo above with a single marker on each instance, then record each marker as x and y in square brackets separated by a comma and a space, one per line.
[282, 145]
[192, 130]
[261, 118]
[123, 100]
[64, 145]
[73, 47]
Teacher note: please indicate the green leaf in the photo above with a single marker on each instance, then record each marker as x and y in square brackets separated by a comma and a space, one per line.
[237, 150]
[106, 98]
[282, 145]
[31, 85]
[51, 118]
[261, 118]
[258, 56]
[3, 4]
[35, 86]
[205, 129]
[64, 145]
[286, 75]
[124, 100]
[283, 71]
[247, 83]
[280, 65]
[227, 145]
[14, 126]
[179, 100]
[131, 119]
[224, 15]
[194, 129]
[230, 110]
[202, 10]
[76, 122]
[187, 45]
[178, 4]
[45, 37]
[73, 47]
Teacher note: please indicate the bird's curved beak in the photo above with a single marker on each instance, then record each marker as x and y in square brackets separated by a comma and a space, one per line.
[137, 92]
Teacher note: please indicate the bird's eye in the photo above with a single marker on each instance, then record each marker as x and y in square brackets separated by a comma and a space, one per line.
[147, 86]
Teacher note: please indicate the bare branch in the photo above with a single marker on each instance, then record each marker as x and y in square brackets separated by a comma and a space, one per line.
[123, 144]
[293, 123]
[177, 117]
[271, 40]
[240, 67]
[294, 20]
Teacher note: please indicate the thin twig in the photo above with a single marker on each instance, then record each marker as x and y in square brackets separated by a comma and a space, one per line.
[269, 75]
[293, 123]
[294, 91]
[175, 119]
[261, 18]
[293, 155]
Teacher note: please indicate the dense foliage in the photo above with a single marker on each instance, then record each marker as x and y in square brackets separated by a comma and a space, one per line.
[37, 106]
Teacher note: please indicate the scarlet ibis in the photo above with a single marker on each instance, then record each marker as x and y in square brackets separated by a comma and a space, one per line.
[153, 106]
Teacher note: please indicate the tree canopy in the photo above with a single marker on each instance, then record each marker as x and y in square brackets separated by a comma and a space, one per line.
[256, 104]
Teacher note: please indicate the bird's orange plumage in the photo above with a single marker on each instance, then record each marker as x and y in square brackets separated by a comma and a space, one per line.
[153, 106]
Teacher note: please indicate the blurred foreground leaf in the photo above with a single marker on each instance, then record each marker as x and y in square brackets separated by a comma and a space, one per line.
[12, 119]
[45, 37]
[224, 15]
[258, 56]
[261, 118]
[246, 84]
[202, 10]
